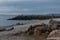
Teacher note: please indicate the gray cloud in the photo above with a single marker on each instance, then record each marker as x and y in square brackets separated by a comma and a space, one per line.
[29, 6]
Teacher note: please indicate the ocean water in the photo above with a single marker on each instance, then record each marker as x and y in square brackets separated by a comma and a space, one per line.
[5, 22]
[26, 7]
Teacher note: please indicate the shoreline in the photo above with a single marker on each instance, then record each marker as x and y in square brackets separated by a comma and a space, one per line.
[26, 26]
[20, 28]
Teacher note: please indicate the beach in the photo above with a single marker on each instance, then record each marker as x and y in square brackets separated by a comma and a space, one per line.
[29, 19]
[9, 35]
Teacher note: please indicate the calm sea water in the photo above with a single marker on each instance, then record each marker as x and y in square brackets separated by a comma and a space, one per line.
[5, 22]
[27, 7]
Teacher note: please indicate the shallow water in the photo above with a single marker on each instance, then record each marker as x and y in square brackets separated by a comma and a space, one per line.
[5, 22]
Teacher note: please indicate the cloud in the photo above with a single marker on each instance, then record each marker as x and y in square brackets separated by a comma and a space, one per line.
[21, 0]
[28, 6]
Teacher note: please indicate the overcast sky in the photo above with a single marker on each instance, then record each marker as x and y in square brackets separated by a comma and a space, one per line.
[29, 6]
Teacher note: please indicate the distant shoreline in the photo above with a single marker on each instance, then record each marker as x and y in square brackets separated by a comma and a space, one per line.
[33, 17]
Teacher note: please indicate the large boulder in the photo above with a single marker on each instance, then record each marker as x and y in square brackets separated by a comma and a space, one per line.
[54, 35]
[40, 27]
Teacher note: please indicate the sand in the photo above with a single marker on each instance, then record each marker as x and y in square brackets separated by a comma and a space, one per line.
[7, 35]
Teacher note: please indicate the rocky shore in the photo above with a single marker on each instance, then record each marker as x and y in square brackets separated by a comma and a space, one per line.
[19, 29]
[33, 17]
[11, 35]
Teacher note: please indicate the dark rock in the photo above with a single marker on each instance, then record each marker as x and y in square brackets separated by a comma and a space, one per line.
[18, 24]
[9, 28]
[30, 30]
[32, 17]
